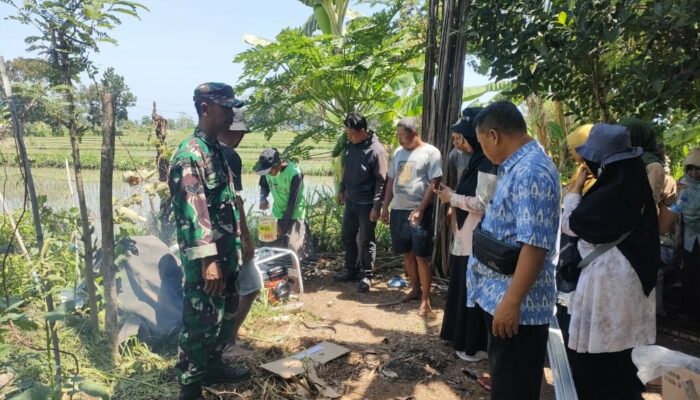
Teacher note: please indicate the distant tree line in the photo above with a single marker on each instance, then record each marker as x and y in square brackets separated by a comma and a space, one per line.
[40, 104]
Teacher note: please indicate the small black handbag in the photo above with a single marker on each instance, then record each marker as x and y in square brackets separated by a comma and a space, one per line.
[499, 256]
[567, 269]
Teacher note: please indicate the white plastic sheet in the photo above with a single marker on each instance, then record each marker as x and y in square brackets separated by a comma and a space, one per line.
[656, 361]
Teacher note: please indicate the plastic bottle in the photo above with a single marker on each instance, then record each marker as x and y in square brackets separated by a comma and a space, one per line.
[267, 228]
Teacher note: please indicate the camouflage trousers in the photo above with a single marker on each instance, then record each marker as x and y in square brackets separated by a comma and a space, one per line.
[208, 326]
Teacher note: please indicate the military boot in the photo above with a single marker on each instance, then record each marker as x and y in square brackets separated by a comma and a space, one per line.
[220, 372]
[193, 391]
[348, 276]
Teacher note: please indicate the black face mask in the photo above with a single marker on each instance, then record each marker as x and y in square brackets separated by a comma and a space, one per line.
[594, 167]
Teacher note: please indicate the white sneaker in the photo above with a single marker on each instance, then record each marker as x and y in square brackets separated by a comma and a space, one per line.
[478, 356]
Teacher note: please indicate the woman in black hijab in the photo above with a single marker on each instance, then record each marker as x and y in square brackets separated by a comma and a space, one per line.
[613, 307]
[463, 326]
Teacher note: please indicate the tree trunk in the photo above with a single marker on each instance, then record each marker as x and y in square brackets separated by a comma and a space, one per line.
[86, 228]
[29, 187]
[107, 222]
[537, 114]
[562, 149]
[84, 217]
[445, 103]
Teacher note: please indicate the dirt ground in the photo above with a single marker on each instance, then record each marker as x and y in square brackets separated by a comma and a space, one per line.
[394, 354]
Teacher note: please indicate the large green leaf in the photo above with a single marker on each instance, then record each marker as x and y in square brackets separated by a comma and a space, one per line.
[682, 134]
[323, 20]
[555, 130]
[5, 350]
[310, 26]
[255, 40]
[12, 306]
[55, 316]
[37, 392]
[94, 389]
[470, 93]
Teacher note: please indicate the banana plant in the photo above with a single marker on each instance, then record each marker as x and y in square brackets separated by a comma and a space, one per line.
[328, 17]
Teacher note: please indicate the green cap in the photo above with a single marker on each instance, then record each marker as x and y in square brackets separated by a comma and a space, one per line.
[220, 93]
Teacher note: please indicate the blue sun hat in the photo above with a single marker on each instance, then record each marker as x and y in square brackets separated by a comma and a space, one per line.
[608, 143]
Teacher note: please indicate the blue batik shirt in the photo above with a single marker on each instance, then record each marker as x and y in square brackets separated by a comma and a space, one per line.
[524, 210]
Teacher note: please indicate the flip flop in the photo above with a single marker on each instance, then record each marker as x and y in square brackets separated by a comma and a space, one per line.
[397, 282]
[485, 382]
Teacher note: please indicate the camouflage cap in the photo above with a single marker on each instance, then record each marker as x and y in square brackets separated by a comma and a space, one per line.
[220, 93]
[238, 123]
[268, 158]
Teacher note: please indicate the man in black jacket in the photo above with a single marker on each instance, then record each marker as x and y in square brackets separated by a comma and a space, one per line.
[362, 193]
[249, 280]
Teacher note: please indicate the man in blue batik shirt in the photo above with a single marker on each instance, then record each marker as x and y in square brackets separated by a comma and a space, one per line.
[524, 210]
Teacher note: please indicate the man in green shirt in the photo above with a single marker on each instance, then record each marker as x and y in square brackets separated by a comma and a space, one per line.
[285, 181]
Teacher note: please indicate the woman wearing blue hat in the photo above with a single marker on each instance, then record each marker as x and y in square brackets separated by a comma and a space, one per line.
[613, 307]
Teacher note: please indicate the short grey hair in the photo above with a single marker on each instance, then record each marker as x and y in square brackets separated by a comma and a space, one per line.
[411, 124]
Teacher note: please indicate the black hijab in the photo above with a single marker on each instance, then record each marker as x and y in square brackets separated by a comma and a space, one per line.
[477, 161]
[612, 207]
[642, 135]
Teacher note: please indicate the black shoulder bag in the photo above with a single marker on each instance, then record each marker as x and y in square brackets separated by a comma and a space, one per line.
[496, 254]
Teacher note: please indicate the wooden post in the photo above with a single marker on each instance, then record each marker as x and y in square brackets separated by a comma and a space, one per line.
[107, 221]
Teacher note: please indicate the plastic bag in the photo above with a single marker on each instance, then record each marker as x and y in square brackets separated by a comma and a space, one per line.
[656, 361]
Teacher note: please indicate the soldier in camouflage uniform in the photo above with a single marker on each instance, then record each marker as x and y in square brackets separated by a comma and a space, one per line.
[206, 215]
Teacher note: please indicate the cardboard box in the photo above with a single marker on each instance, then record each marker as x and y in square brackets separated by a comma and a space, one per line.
[681, 384]
[293, 365]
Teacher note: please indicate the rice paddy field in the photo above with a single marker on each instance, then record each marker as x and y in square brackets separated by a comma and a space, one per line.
[135, 150]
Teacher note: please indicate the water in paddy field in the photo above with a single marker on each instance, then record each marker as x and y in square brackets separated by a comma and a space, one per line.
[53, 183]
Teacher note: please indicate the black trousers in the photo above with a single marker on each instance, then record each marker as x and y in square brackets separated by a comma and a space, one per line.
[358, 238]
[516, 365]
[461, 325]
[690, 281]
[606, 376]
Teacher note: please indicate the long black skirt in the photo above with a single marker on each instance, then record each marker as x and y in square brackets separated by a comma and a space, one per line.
[463, 326]
[606, 376]
[690, 280]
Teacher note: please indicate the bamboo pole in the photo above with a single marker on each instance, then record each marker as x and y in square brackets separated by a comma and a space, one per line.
[444, 69]
[70, 185]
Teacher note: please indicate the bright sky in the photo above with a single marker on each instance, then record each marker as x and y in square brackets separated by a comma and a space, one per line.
[181, 43]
